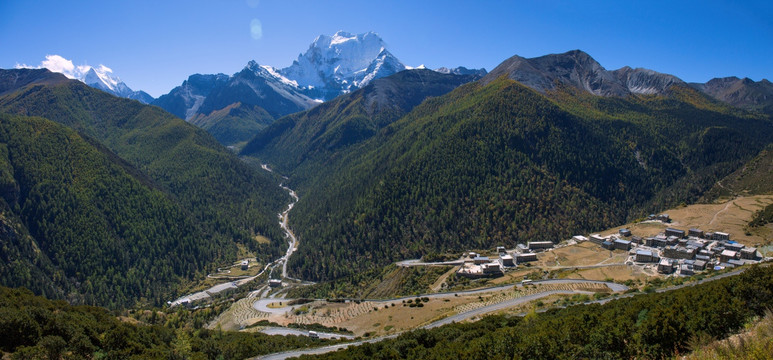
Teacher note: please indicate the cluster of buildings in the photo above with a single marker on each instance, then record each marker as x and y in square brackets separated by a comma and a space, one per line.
[680, 251]
[477, 266]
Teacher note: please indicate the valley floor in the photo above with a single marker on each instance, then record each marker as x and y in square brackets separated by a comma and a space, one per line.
[582, 267]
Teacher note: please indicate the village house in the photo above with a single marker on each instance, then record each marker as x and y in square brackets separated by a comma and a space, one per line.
[665, 266]
[699, 265]
[728, 255]
[481, 260]
[734, 246]
[735, 262]
[507, 260]
[491, 269]
[749, 253]
[675, 232]
[538, 245]
[597, 239]
[526, 257]
[686, 270]
[579, 238]
[679, 252]
[622, 244]
[657, 241]
[645, 256]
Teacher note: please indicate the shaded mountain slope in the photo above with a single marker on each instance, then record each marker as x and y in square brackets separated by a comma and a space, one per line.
[234, 123]
[230, 200]
[76, 222]
[753, 178]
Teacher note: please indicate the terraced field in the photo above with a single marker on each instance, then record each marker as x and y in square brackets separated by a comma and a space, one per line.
[240, 315]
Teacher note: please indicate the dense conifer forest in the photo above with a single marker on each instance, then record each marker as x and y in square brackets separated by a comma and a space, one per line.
[32, 328]
[122, 202]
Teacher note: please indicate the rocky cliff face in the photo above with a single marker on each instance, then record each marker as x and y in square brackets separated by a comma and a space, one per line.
[744, 93]
[185, 100]
[579, 70]
[645, 81]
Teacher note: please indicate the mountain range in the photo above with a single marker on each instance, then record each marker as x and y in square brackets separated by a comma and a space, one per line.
[234, 108]
[332, 65]
[389, 162]
[537, 149]
[342, 63]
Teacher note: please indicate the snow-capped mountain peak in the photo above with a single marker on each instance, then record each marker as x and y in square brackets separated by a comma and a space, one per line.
[100, 77]
[342, 62]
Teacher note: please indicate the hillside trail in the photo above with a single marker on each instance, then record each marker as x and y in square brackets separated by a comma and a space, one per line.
[721, 211]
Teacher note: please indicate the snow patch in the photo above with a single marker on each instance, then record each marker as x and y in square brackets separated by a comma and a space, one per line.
[271, 70]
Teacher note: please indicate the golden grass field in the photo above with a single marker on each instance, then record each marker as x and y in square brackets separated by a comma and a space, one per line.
[730, 217]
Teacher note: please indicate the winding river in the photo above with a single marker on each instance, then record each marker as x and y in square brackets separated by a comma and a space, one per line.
[292, 246]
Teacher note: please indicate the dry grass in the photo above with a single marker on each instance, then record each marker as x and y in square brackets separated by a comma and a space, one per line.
[582, 254]
[616, 273]
[731, 217]
[438, 284]
[261, 239]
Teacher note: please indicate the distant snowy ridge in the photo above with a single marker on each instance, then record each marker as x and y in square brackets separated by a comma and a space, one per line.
[100, 77]
[331, 66]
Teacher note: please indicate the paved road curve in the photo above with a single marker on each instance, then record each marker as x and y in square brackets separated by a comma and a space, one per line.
[484, 310]
[455, 318]
[500, 306]
[289, 331]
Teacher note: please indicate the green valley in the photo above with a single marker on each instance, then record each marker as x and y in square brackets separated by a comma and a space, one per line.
[180, 205]
[498, 164]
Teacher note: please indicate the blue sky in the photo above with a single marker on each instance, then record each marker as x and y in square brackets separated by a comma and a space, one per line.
[155, 45]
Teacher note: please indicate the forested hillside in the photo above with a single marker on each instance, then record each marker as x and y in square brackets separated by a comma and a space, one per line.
[226, 200]
[500, 164]
[309, 139]
[234, 123]
[32, 327]
[78, 223]
[753, 178]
